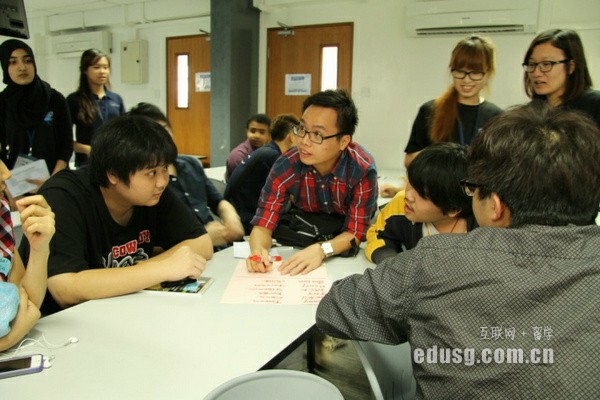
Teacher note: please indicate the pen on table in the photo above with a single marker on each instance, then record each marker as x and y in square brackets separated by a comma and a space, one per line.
[257, 258]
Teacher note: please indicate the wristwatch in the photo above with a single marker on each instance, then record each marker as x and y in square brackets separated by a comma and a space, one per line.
[327, 249]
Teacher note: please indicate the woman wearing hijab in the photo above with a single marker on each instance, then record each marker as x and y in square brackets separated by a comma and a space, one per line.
[34, 118]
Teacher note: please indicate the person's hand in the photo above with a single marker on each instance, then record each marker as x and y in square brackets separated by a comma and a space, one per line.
[27, 314]
[37, 221]
[303, 261]
[259, 266]
[388, 190]
[184, 263]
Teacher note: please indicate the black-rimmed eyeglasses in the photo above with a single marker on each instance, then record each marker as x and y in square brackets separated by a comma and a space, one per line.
[469, 187]
[544, 66]
[313, 136]
[474, 75]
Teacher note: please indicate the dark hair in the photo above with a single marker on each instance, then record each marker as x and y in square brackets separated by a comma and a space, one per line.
[260, 118]
[436, 173]
[569, 42]
[341, 102]
[543, 163]
[282, 125]
[472, 53]
[6, 49]
[87, 104]
[151, 111]
[127, 144]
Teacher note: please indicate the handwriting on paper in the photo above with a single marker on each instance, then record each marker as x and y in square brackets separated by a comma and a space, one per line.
[273, 288]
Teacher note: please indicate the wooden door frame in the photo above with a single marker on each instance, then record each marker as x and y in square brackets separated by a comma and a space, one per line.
[316, 81]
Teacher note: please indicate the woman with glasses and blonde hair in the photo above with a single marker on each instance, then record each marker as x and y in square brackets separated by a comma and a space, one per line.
[556, 71]
[460, 112]
[93, 103]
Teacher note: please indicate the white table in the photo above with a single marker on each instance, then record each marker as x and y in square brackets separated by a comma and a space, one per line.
[393, 177]
[217, 173]
[165, 346]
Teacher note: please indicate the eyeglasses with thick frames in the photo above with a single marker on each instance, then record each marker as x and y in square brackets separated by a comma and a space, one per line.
[313, 136]
[544, 66]
[474, 75]
[469, 187]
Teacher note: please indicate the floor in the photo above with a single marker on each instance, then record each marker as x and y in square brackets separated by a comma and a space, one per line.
[339, 366]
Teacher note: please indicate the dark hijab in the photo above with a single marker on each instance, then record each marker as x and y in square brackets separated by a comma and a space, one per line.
[26, 105]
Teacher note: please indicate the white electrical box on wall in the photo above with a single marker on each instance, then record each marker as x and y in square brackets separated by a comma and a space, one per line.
[134, 61]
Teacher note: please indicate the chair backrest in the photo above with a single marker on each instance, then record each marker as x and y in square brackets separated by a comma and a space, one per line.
[389, 370]
[276, 384]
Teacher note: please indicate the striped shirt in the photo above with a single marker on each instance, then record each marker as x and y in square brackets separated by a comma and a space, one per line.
[349, 189]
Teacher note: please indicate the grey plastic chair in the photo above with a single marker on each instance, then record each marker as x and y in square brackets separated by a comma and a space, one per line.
[276, 384]
[389, 370]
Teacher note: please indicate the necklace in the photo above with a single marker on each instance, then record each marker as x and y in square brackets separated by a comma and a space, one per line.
[454, 226]
[430, 229]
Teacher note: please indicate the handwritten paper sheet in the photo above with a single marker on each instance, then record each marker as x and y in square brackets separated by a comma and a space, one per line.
[273, 288]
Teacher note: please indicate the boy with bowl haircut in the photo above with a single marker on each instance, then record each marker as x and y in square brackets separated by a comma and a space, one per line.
[432, 202]
[112, 214]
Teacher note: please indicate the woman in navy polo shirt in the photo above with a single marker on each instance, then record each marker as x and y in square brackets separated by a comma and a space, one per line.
[93, 103]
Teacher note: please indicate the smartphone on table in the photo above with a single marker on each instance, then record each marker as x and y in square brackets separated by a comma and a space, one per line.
[21, 365]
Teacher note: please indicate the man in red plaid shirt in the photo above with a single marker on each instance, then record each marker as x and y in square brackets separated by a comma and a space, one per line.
[328, 173]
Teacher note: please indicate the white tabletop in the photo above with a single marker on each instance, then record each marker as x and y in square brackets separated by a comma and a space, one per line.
[389, 177]
[217, 173]
[164, 346]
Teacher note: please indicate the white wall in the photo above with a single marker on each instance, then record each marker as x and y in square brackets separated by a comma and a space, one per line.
[392, 73]
[63, 73]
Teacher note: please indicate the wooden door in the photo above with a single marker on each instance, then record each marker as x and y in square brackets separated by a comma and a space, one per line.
[300, 51]
[190, 119]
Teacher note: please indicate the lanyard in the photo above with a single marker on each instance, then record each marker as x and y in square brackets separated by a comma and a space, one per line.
[461, 132]
[31, 135]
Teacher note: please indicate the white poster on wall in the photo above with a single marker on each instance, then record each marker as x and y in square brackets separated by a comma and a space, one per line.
[202, 81]
[297, 84]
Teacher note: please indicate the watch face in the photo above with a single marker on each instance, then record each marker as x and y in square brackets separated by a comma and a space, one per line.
[327, 249]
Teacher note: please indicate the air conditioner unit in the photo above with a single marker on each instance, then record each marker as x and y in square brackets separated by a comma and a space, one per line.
[471, 16]
[72, 45]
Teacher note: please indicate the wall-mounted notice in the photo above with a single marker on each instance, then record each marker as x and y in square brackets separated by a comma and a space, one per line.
[297, 84]
[202, 81]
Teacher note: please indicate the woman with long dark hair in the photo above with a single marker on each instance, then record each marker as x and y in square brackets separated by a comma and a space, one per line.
[93, 103]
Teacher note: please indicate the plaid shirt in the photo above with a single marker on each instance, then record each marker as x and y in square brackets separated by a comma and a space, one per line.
[349, 189]
[535, 287]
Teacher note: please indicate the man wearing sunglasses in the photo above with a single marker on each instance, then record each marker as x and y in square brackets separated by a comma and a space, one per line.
[328, 173]
[510, 309]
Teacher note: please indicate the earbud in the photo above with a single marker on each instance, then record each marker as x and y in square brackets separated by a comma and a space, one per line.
[72, 340]
[47, 363]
